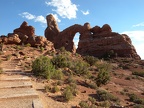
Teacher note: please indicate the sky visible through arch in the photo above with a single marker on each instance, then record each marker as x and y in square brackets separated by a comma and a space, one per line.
[124, 16]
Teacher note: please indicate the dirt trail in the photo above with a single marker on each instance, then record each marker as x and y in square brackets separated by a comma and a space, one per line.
[16, 88]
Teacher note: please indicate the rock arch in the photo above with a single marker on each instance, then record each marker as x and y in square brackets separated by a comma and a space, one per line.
[96, 41]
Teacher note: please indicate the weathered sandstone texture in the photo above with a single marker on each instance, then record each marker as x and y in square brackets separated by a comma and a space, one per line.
[96, 41]
[26, 35]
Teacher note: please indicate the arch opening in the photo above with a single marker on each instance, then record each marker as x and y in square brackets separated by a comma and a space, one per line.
[76, 39]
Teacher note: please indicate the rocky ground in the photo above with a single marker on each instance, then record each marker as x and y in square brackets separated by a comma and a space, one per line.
[16, 63]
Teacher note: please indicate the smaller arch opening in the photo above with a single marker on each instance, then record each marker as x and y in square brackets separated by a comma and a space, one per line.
[76, 39]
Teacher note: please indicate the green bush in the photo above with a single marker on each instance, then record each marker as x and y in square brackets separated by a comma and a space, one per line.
[62, 49]
[55, 89]
[60, 61]
[84, 104]
[134, 98]
[67, 94]
[102, 78]
[57, 74]
[41, 49]
[91, 60]
[1, 70]
[105, 104]
[88, 104]
[80, 67]
[103, 95]
[8, 57]
[104, 66]
[42, 66]
[138, 73]
[28, 45]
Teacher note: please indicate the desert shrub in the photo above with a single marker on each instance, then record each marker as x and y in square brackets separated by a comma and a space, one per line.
[134, 98]
[84, 104]
[55, 89]
[105, 104]
[138, 106]
[104, 66]
[41, 49]
[92, 85]
[57, 74]
[103, 95]
[102, 78]
[91, 60]
[138, 73]
[28, 45]
[88, 104]
[67, 94]
[8, 57]
[80, 67]
[42, 66]
[18, 47]
[70, 79]
[1, 70]
[60, 61]
[62, 49]
[92, 100]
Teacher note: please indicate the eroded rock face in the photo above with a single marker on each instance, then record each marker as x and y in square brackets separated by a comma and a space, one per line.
[52, 30]
[96, 41]
[10, 39]
[103, 43]
[25, 29]
[25, 35]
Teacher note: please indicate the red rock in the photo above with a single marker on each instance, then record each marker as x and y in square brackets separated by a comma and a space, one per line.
[106, 28]
[94, 41]
[25, 29]
[52, 30]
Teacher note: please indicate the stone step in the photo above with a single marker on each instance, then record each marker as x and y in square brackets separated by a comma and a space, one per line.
[37, 104]
[21, 103]
[16, 93]
[15, 78]
[11, 70]
[15, 84]
[15, 71]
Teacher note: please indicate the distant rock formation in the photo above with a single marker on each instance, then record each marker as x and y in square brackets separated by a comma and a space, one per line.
[26, 35]
[25, 29]
[94, 41]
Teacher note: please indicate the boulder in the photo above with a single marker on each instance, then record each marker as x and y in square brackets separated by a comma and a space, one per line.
[10, 39]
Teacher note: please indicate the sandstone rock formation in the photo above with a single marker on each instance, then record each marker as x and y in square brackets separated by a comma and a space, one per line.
[25, 29]
[10, 39]
[25, 35]
[52, 30]
[94, 41]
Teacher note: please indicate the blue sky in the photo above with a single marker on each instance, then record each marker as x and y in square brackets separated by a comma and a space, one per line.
[124, 16]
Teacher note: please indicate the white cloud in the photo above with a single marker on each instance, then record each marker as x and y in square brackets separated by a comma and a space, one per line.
[30, 16]
[56, 17]
[85, 12]
[137, 38]
[40, 19]
[138, 25]
[27, 15]
[64, 8]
